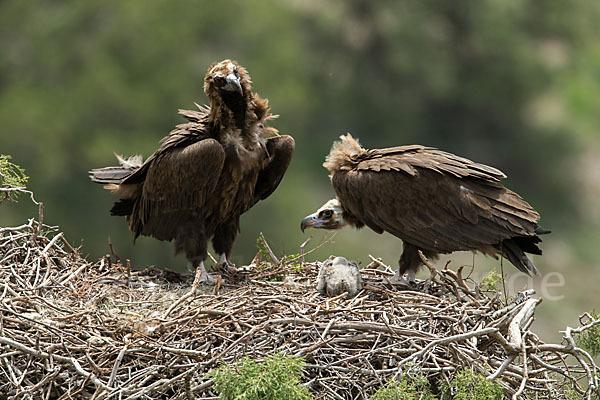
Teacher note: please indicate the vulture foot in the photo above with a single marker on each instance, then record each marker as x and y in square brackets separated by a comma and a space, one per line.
[225, 267]
[200, 274]
[205, 277]
[407, 279]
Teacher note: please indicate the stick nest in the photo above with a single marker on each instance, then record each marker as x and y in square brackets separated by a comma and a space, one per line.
[70, 328]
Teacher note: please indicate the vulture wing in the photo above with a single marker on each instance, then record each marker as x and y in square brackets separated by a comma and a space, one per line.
[280, 149]
[183, 135]
[432, 199]
[177, 183]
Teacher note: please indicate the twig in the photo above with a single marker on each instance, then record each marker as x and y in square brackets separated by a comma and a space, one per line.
[450, 339]
[52, 243]
[514, 328]
[41, 354]
[110, 246]
[113, 374]
[303, 248]
[387, 268]
[272, 255]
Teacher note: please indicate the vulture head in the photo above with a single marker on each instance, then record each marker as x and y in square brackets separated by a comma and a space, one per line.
[226, 77]
[329, 216]
[228, 87]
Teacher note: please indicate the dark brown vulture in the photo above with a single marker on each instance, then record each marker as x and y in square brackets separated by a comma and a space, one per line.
[207, 171]
[434, 201]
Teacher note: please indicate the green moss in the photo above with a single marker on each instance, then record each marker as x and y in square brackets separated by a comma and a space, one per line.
[470, 386]
[11, 176]
[409, 387]
[277, 377]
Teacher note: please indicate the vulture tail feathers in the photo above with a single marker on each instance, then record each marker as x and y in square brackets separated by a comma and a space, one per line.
[528, 244]
[541, 231]
[122, 207]
[109, 175]
[115, 175]
[514, 249]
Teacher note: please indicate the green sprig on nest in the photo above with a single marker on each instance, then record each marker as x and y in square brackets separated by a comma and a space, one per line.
[590, 338]
[11, 177]
[277, 377]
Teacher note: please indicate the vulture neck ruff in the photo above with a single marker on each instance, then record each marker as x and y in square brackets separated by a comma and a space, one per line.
[231, 110]
[237, 105]
[343, 154]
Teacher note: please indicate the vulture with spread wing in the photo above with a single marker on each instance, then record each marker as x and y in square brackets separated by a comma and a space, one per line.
[206, 173]
[434, 201]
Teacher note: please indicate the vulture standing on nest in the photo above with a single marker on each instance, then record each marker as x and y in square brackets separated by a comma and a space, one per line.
[206, 173]
[434, 201]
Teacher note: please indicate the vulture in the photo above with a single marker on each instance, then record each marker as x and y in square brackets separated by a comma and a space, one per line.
[205, 173]
[433, 201]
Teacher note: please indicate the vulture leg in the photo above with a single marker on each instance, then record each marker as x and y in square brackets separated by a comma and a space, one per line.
[410, 263]
[192, 240]
[223, 243]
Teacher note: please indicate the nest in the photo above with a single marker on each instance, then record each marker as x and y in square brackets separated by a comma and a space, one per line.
[71, 328]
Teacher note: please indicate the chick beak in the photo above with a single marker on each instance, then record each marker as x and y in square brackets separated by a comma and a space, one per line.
[233, 84]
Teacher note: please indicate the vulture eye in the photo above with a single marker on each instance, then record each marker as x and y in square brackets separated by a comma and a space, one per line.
[235, 71]
[327, 213]
[220, 81]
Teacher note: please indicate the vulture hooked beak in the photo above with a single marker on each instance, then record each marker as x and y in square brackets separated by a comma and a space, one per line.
[232, 84]
[313, 221]
[329, 216]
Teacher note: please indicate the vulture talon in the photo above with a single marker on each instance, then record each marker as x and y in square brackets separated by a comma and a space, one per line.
[401, 281]
[208, 279]
[203, 277]
[397, 279]
[225, 266]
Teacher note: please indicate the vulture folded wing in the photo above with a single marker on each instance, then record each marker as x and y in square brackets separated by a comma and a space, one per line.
[183, 135]
[280, 149]
[407, 158]
[178, 183]
[433, 199]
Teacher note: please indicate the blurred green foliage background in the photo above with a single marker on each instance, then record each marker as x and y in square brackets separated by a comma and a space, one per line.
[508, 83]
